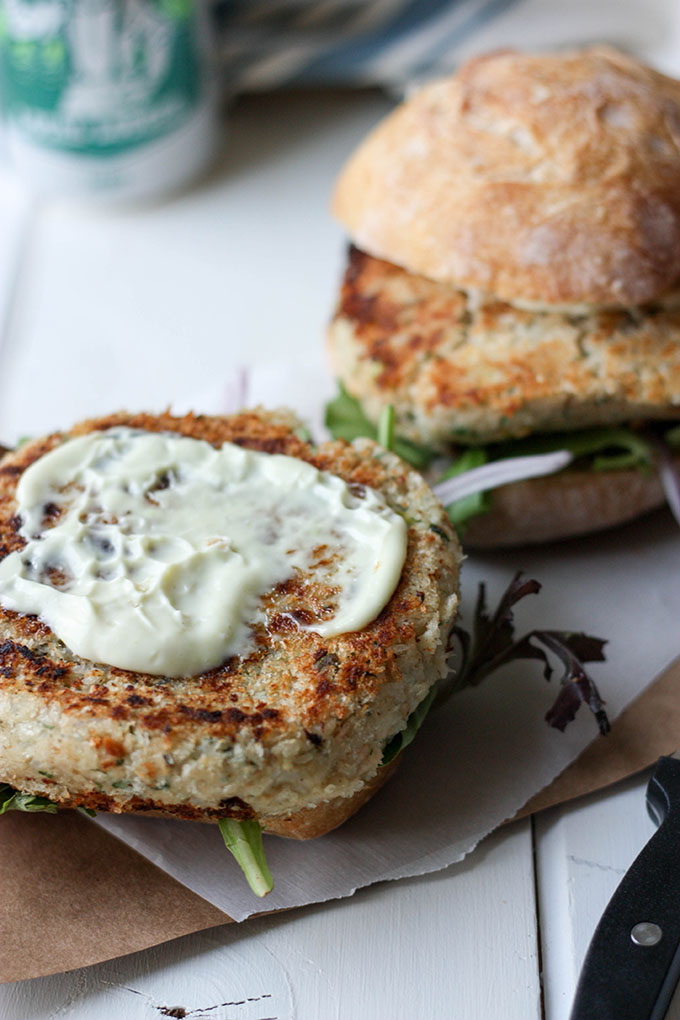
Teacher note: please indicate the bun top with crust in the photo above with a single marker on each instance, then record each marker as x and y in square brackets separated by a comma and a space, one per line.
[548, 180]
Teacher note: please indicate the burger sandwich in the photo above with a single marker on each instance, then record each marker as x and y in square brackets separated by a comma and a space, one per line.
[513, 289]
[211, 619]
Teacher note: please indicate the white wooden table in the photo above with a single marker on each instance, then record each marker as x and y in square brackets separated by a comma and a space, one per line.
[100, 311]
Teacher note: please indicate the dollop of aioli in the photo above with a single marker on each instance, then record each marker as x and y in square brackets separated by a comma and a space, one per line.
[152, 551]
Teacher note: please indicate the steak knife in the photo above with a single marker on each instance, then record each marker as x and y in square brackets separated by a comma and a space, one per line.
[633, 962]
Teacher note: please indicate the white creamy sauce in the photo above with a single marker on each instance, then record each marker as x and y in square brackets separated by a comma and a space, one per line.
[152, 551]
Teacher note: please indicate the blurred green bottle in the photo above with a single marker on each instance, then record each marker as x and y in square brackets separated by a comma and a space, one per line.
[108, 99]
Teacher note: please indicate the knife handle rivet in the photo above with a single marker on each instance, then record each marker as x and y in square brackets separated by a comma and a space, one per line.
[646, 933]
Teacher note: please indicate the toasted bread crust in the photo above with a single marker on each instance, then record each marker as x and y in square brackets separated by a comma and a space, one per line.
[550, 179]
[457, 371]
[299, 723]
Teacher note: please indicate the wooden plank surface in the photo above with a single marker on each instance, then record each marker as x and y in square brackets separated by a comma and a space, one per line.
[460, 944]
[582, 853]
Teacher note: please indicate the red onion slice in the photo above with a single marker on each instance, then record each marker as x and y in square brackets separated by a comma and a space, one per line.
[501, 472]
[234, 396]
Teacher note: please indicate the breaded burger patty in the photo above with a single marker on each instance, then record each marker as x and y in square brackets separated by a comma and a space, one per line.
[458, 371]
[517, 274]
[300, 722]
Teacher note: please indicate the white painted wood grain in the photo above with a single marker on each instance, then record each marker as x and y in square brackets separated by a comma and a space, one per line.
[460, 944]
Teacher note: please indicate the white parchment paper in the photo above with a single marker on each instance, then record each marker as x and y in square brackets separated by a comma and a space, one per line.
[480, 757]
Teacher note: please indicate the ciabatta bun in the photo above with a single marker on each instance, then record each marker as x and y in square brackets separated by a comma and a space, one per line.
[515, 269]
[549, 180]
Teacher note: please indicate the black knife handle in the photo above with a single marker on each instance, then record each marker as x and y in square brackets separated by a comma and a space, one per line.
[622, 980]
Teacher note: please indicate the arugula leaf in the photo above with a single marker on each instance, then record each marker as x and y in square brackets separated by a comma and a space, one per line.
[386, 428]
[493, 644]
[244, 840]
[345, 419]
[396, 744]
[414, 454]
[12, 800]
[614, 449]
[440, 531]
[606, 449]
[672, 436]
[610, 448]
[461, 510]
[576, 685]
[492, 636]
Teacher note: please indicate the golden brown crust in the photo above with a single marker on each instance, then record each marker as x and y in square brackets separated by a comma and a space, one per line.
[296, 724]
[563, 506]
[456, 371]
[552, 179]
[356, 661]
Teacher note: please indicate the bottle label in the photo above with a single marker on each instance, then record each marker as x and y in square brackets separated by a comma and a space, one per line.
[99, 77]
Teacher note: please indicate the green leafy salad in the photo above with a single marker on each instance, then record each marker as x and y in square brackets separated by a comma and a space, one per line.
[596, 449]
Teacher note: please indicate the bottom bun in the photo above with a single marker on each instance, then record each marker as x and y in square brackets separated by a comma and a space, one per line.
[317, 821]
[560, 506]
